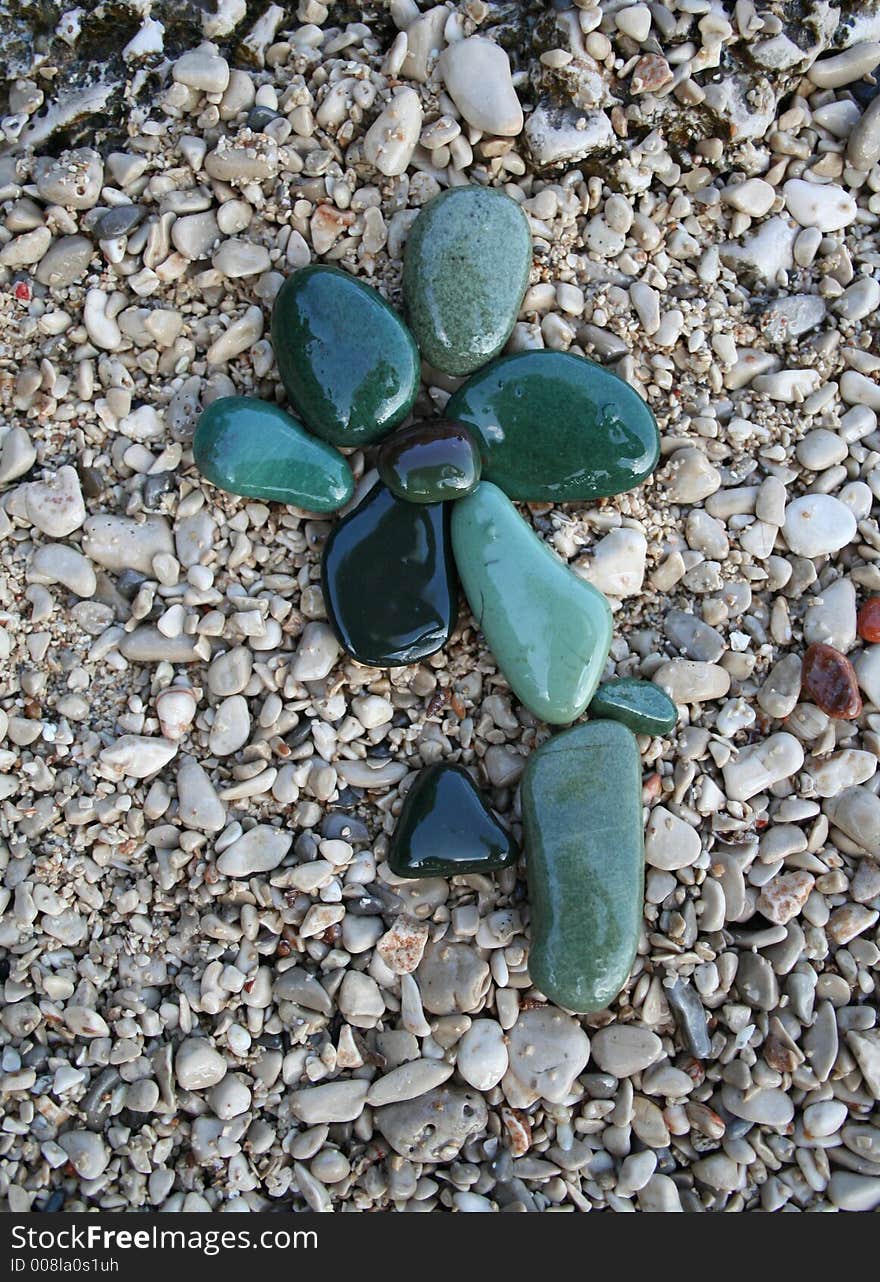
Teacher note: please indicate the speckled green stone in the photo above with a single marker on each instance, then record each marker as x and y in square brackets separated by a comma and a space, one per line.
[431, 461]
[584, 842]
[445, 828]
[549, 630]
[347, 360]
[555, 426]
[465, 270]
[253, 448]
[640, 705]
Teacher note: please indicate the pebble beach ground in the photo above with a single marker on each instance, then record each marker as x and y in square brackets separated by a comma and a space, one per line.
[216, 996]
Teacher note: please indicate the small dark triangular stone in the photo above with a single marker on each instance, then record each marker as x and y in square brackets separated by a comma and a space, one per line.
[389, 582]
[446, 828]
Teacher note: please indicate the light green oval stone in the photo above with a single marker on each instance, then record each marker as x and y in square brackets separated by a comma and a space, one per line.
[549, 630]
[640, 705]
[584, 842]
[253, 448]
[465, 270]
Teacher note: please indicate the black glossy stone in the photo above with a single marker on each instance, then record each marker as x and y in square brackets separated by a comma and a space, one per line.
[446, 828]
[388, 578]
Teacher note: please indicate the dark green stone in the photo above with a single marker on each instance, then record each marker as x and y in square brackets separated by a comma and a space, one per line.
[555, 426]
[640, 705]
[465, 270]
[429, 462]
[253, 448]
[446, 828]
[584, 842]
[347, 360]
[389, 583]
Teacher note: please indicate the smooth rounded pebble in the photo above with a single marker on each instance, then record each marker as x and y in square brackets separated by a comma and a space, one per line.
[197, 1065]
[670, 843]
[260, 850]
[476, 73]
[818, 524]
[822, 205]
[87, 1152]
[548, 1050]
[624, 1049]
[482, 1054]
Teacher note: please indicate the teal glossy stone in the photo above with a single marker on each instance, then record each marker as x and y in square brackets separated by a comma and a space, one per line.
[584, 842]
[549, 630]
[388, 579]
[347, 360]
[555, 426]
[253, 448]
[640, 705]
[431, 461]
[465, 270]
[445, 828]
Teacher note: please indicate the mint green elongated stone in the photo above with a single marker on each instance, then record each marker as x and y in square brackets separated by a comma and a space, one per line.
[640, 705]
[253, 448]
[348, 362]
[555, 426]
[465, 270]
[549, 630]
[584, 842]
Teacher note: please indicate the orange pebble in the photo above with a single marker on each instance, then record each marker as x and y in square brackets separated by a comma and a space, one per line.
[869, 619]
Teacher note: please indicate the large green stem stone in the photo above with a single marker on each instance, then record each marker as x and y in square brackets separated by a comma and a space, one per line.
[445, 828]
[584, 841]
[640, 705]
[347, 360]
[465, 270]
[388, 579]
[549, 630]
[253, 448]
[555, 426]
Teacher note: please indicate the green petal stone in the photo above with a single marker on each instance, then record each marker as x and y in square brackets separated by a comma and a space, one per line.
[429, 462]
[446, 828]
[555, 426]
[388, 579]
[584, 841]
[549, 630]
[255, 449]
[347, 360]
[640, 705]
[465, 270]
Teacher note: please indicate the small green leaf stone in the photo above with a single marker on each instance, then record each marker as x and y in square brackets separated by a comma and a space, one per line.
[549, 630]
[584, 841]
[430, 462]
[445, 828]
[640, 705]
[347, 360]
[253, 448]
[465, 270]
[553, 426]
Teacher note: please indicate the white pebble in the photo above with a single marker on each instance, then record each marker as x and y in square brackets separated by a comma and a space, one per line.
[261, 849]
[482, 1055]
[56, 506]
[476, 73]
[818, 524]
[391, 139]
[822, 205]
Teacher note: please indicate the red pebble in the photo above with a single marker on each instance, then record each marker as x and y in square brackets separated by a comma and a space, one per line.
[829, 679]
[869, 619]
[22, 291]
